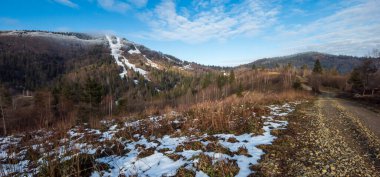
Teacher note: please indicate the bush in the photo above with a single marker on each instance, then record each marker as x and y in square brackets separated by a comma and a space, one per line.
[297, 85]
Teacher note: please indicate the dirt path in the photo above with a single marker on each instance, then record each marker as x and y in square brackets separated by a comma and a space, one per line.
[326, 137]
[368, 117]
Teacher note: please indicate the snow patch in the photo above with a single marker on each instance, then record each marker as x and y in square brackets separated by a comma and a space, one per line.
[134, 51]
[156, 164]
[151, 63]
[188, 67]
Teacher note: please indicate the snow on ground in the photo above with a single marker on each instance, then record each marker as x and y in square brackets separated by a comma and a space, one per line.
[156, 163]
[185, 67]
[151, 63]
[135, 51]
[123, 62]
[159, 165]
[188, 67]
[52, 35]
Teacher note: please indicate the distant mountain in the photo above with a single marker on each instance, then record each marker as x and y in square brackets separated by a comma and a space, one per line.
[343, 64]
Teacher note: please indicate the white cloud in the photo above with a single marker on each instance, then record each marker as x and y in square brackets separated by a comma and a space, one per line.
[297, 11]
[112, 5]
[210, 19]
[67, 3]
[121, 6]
[138, 3]
[353, 30]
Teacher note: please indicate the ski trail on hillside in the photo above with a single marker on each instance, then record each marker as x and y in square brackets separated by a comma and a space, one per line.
[123, 62]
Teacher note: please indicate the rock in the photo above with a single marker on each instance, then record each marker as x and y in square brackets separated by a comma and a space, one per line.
[332, 168]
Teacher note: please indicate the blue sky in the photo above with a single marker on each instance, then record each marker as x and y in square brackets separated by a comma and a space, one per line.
[213, 32]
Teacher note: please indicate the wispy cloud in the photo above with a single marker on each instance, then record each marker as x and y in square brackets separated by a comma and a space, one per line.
[353, 30]
[121, 6]
[209, 19]
[67, 3]
[112, 5]
[297, 11]
[138, 3]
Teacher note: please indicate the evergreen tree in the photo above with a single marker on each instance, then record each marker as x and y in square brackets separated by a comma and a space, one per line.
[317, 67]
[232, 77]
[356, 80]
[239, 91]
[221, 81]
[93, 92]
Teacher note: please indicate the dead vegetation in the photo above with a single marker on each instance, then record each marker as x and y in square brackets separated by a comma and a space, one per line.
[223, 167]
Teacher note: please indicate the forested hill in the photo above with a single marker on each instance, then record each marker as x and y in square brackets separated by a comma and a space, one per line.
[33, 59]
[342, 63]
[51, 76]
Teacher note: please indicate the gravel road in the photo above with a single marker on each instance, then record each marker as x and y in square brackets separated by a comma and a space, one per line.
[326, 137]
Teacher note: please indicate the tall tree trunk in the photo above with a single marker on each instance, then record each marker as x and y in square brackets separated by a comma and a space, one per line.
[3, 116]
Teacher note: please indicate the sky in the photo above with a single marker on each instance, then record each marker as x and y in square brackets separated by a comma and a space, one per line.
[211, 32]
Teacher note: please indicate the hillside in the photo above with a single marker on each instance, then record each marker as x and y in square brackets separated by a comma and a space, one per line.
[75, 104]
[53, 75]
[110, 93]
[31, 59]
[343, 64]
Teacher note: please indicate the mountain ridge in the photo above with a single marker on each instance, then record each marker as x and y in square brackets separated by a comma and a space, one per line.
[342, 63]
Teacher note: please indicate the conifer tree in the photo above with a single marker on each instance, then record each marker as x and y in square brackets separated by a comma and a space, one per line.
[317, 67]
[232, 76]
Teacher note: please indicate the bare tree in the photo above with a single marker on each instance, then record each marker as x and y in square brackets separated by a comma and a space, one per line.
[3, 116]
[363, 76]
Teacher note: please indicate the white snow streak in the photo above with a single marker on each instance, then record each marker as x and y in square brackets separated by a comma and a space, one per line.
[123, 62]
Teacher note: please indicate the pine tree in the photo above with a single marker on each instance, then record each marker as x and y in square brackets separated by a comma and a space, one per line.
[356, 80]
[317, 67]
[232, 77]
[239, 91]
[93, 92]
[221, 81]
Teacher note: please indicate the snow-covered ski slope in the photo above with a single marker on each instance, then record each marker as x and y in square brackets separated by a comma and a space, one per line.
[121, 60]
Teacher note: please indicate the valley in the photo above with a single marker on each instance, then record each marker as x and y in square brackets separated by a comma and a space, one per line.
[76, 104]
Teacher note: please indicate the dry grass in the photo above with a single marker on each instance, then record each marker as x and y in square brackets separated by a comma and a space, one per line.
[183, 172]
[243, 151]
[216, 147]
[235, 114]
[146, 152]
[79, 165]
[111, 147]
[224, 167]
